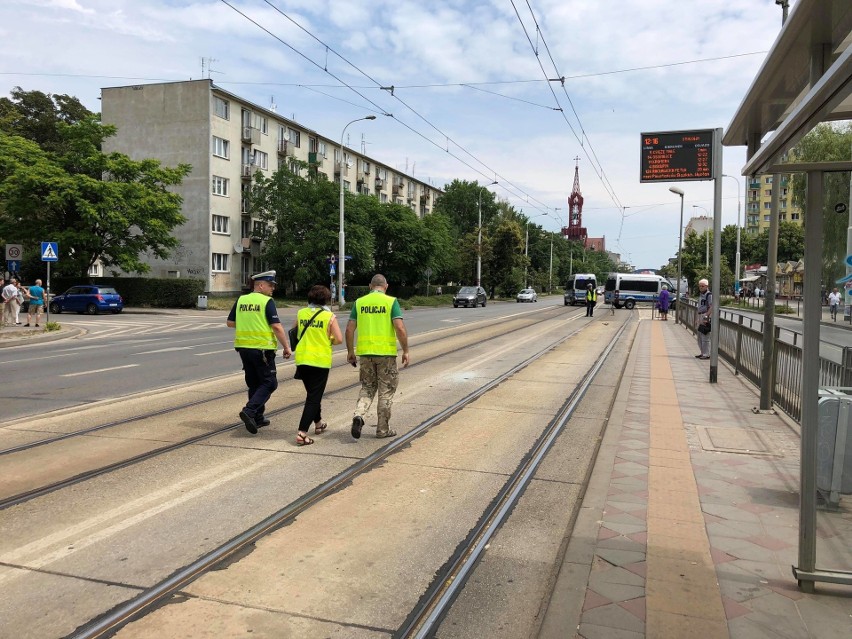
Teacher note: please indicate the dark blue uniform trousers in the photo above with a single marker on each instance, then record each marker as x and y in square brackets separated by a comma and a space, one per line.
[261, 379]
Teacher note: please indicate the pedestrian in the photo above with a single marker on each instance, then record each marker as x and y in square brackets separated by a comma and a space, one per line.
[255, 319]
[22, 295]
[591, 299]
[703, 327]
[318, 331]
[833, 303]
[664, 303]
[378, 319]
[439, 290]
[614, 302]
[38, 300]
[11, 306]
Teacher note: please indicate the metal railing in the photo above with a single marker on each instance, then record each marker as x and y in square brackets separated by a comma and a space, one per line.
[741, 345]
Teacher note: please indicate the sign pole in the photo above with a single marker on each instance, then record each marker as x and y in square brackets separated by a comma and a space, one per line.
[47, 310]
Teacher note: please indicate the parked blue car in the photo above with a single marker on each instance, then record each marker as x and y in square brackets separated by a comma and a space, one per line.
[88, 298]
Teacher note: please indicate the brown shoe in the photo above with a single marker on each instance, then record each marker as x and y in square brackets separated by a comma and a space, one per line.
[387, 433]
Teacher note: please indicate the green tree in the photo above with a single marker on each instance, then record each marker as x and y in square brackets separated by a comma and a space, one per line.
[505, 263]
[98, 206]
[37, 116]
[826, 143]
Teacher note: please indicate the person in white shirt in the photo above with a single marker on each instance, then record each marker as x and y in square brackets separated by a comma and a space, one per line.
[833, 303]
[11, 307]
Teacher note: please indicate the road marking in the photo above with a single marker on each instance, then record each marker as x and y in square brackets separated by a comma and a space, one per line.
[100, 370]
[167, 350]
[227, 350]
[56, 546]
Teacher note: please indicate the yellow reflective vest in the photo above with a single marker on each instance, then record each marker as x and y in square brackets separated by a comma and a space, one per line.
[376, 335]
[253, 331]
[592, 296]
[314, 348]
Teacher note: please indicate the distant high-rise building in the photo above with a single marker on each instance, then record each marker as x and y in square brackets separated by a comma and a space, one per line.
[758, 203]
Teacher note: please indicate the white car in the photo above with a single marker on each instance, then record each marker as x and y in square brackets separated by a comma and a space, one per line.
[527, 295]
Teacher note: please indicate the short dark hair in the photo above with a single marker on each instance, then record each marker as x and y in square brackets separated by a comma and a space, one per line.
[319, 295]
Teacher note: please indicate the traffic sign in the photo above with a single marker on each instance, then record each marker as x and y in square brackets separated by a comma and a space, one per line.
[49, 251]
[331, 269]
[14, 251]
[13, 266]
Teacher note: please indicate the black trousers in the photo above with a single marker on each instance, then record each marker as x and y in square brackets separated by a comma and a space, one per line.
[261, 378]
[590, 308]
[314, 379]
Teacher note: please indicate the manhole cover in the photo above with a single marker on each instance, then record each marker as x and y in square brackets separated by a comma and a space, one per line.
[734, 440]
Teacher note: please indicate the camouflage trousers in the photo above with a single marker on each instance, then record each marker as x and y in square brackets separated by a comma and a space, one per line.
[378, 374]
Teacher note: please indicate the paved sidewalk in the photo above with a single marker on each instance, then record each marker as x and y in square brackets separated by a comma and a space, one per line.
[689, 527]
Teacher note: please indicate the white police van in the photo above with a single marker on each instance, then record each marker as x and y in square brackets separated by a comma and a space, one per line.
[634, 288]
[575, 288]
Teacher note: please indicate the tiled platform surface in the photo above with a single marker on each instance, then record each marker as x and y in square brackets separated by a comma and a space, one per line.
[690, 524]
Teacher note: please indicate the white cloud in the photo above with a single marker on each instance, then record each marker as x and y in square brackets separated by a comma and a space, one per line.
[411, 42]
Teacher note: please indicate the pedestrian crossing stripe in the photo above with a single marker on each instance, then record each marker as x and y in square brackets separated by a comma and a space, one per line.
[48, 251]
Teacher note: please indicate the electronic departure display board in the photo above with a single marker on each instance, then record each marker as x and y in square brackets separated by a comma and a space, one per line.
[672, 156]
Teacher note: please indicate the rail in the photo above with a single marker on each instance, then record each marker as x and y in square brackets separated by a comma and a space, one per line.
[741, 345]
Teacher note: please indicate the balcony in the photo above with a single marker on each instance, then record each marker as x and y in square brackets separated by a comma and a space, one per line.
[246, 244]
[251, 135]
[315, 159]
[424, 197]
[337, 167]
[380, 183]
[286, 148]
[247, 171]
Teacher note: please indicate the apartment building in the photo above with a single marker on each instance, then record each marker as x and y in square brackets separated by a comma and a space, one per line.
[227, 140]
[698, 224]
[758, 204]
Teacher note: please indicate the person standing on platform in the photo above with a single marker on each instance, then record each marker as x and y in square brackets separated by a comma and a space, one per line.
[378, 319]
[255, 319]
[664, 302]
[318, 331]
[591, 299]
[703, 328]
[38, 300]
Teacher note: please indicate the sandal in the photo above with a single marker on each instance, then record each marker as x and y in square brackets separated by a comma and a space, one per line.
[303, 440]
[319, 428]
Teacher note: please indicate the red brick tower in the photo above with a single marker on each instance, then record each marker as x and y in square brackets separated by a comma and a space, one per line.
[575, 230]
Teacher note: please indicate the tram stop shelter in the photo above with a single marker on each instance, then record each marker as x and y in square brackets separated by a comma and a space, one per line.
[805, 80]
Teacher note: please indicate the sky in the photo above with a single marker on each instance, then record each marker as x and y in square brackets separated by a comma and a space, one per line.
[510, 91]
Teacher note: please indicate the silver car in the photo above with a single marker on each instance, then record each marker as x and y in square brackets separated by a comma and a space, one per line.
[527, 295]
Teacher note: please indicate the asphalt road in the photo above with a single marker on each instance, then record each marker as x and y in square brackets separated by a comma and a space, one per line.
[136, 352]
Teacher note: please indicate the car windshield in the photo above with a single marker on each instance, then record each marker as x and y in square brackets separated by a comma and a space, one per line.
[467, 290]
[527, 291]
[103, 290]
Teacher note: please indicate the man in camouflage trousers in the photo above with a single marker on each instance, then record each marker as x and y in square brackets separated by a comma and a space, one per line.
[378, 319]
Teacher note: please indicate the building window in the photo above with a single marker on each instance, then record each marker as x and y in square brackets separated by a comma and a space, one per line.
[294, 136]
[346, 185]
[794, 216]
[245, 228]
[220, 263]
[768, 179]
[261, 122]
[767, 205]
[222, 108]
[220, 186]
[221, 148]
[322, 150]
[765, 218]
[221, 224]
[768, 192]
[261, 159]
[383, 198]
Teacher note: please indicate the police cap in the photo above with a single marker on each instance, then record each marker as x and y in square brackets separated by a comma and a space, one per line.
[266, 276]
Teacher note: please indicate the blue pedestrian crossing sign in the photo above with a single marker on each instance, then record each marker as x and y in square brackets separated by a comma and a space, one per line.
[331, 269]
[49, 251]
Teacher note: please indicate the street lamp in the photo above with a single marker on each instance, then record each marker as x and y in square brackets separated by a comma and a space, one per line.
[679, 192]
[341, 245]
[737, 258]
[706, 236]
[479, 240]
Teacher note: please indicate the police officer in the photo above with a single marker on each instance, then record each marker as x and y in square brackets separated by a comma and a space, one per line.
[591, 300]
[378, 318]
[256, 319]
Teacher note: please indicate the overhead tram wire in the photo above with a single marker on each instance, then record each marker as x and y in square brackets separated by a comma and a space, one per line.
[492, 174]
[596, 165]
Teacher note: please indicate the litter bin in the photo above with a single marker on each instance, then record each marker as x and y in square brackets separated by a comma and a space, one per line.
[834, 444]
[202, 302]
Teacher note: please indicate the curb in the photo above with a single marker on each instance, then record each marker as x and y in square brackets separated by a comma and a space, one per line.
[40, 338]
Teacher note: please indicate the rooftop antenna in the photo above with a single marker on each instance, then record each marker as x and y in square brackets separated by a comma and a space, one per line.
[272, 105]
[207, 64]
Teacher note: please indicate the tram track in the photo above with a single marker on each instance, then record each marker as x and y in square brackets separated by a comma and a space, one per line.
[434, 603]
[194, 404]
[515, 325]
